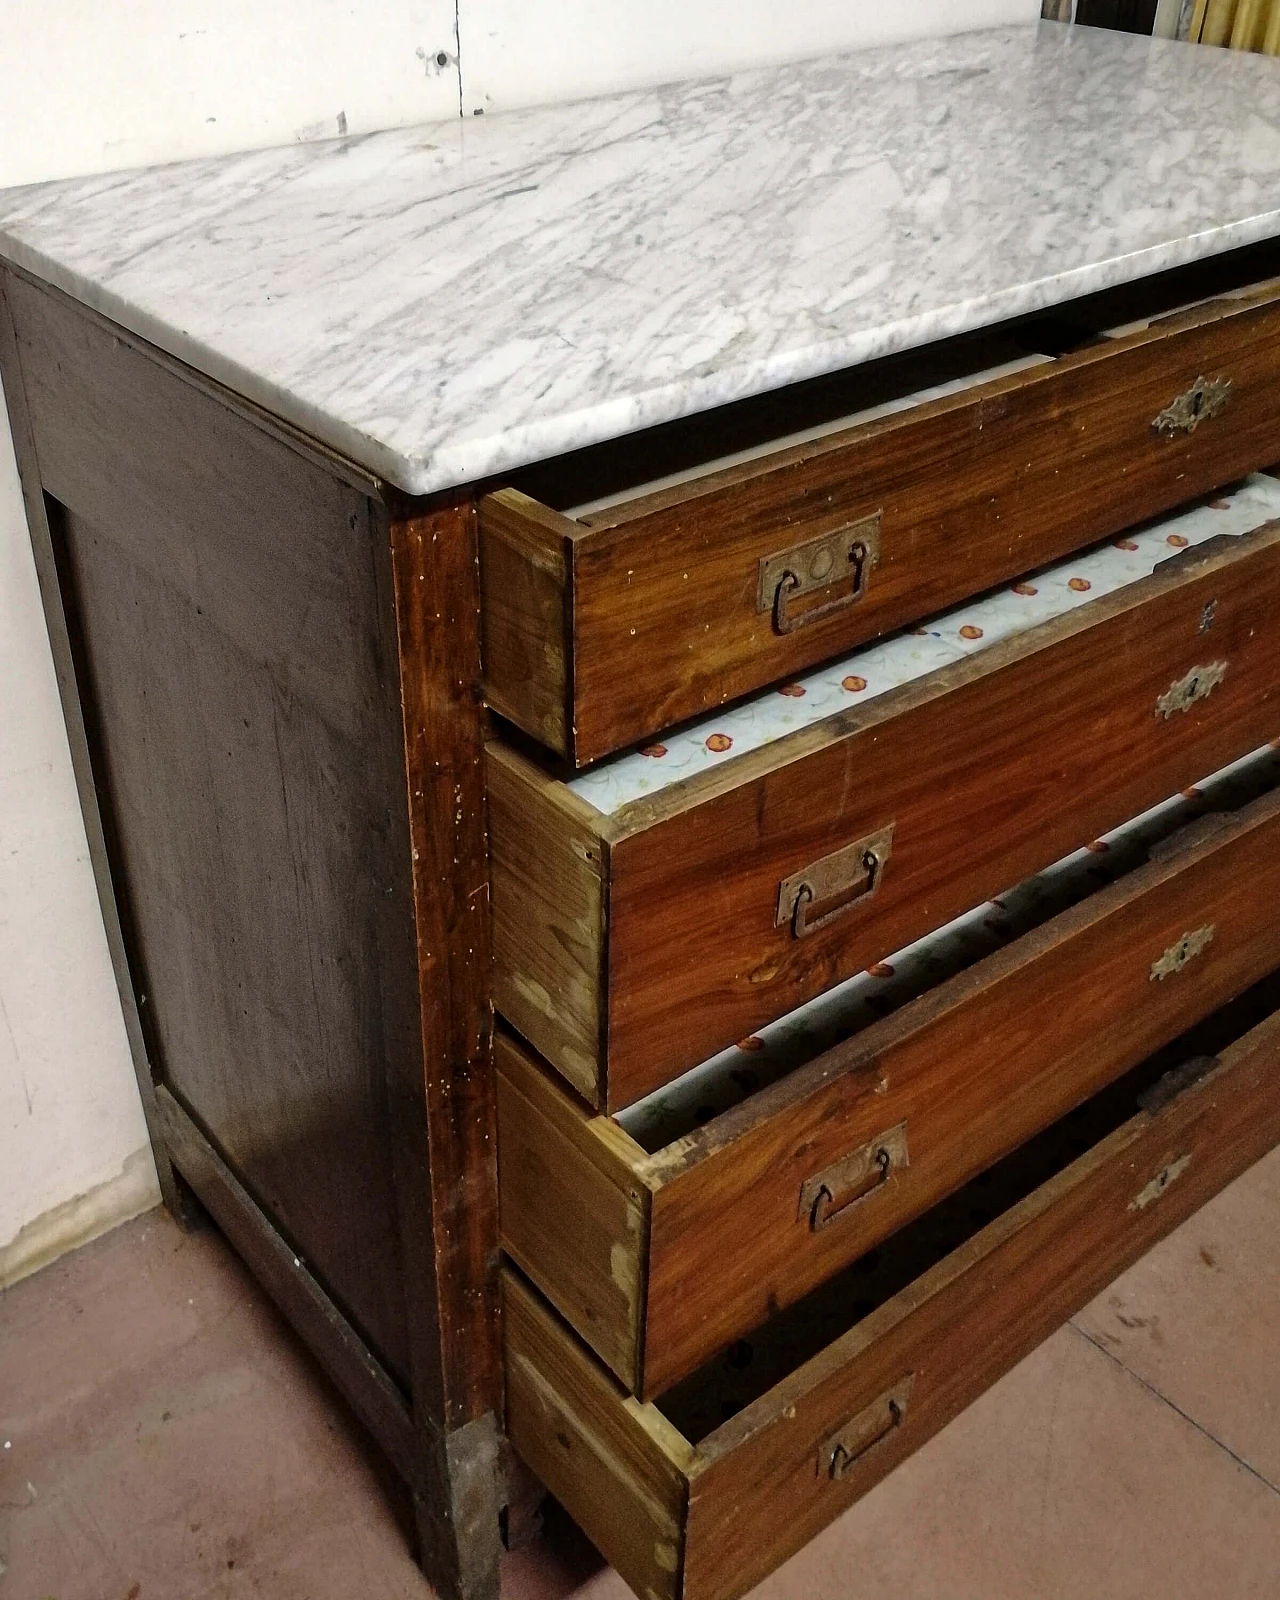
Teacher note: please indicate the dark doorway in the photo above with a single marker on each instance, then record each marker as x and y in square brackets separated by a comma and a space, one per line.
[1129, 16]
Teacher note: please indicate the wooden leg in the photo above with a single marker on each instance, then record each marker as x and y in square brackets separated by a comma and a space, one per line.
[450, 1260]
[457, 1515]
[185, 1207]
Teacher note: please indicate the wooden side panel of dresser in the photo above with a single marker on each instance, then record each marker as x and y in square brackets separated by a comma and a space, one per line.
[282, 737]
[235, 669]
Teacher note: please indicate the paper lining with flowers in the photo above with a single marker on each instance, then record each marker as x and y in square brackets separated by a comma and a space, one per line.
[878, 668]
[743, 1069]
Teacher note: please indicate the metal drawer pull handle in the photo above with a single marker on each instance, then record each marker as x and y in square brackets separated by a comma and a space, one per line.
[834, 1192]
[1198, 684]
[849, 876]
[857, 1439]
[1205, 399]
[789, 575]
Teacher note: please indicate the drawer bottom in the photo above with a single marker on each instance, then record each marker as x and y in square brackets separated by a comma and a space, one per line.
[700, 1494]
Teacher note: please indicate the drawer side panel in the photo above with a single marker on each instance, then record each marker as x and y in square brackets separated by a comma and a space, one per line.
[546, 864]
[617, 1466]
[573, 1220]
[525, 616]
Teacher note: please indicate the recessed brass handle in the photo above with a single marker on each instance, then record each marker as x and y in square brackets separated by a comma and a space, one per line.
[848, 876]
[847, 555]
[841, 1187]
[860, 1436]
[1206, 398]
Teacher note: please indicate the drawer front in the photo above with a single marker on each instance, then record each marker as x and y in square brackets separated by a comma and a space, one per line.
[660, 1260]
[964, 782]
[601, 634]
[704, 1518]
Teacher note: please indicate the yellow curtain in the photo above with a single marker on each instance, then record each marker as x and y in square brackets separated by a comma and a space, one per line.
[1218, 18]
[1249, 24]
[1241, 24]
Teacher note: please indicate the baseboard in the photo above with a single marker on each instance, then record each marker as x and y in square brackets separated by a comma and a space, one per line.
[81, 1219]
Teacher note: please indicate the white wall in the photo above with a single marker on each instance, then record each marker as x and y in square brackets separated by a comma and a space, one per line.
[70, 1121]
[90, 85]
[533, 52]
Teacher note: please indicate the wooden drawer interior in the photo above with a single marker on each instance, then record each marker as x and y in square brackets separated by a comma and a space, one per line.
[610, 924]
[701, 1493]
[614, 608]
[664, 1233]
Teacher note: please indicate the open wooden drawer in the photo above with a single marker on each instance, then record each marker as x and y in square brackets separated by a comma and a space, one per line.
[607, 625]
[702, 1493]
[666, 1233]
[630, 946]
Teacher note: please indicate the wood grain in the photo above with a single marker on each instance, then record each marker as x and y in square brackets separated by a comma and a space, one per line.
[280, 686]
[970, 1319]
[375, 1397]
[547, 864]
[1012, 474]
[66, 650]
[619, 1467]
[445, 1107]
[575, 1213]
[527, 594]
[973, 1069]
[241, 677]
[1038, 744]
[754, 1495]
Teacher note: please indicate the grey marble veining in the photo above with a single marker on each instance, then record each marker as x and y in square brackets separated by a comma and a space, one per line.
[448, 302]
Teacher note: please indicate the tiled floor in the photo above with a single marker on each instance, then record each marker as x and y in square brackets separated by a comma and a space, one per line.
[162, 1437]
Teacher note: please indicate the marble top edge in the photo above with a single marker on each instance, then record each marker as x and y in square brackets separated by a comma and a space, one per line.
[446, 303]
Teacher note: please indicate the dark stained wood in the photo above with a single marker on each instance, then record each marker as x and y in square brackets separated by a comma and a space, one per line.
[235, 618]
[443, 1110]
[437, 612]
[756, 1491]
[972, 1068]
[63, 651]
[973, 489]
[280, 678]
[372, 1393]
[1038, 744]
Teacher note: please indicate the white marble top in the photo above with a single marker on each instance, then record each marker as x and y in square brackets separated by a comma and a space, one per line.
[449, 302]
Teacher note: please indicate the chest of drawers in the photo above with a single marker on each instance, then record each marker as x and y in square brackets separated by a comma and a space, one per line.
[681, 935]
